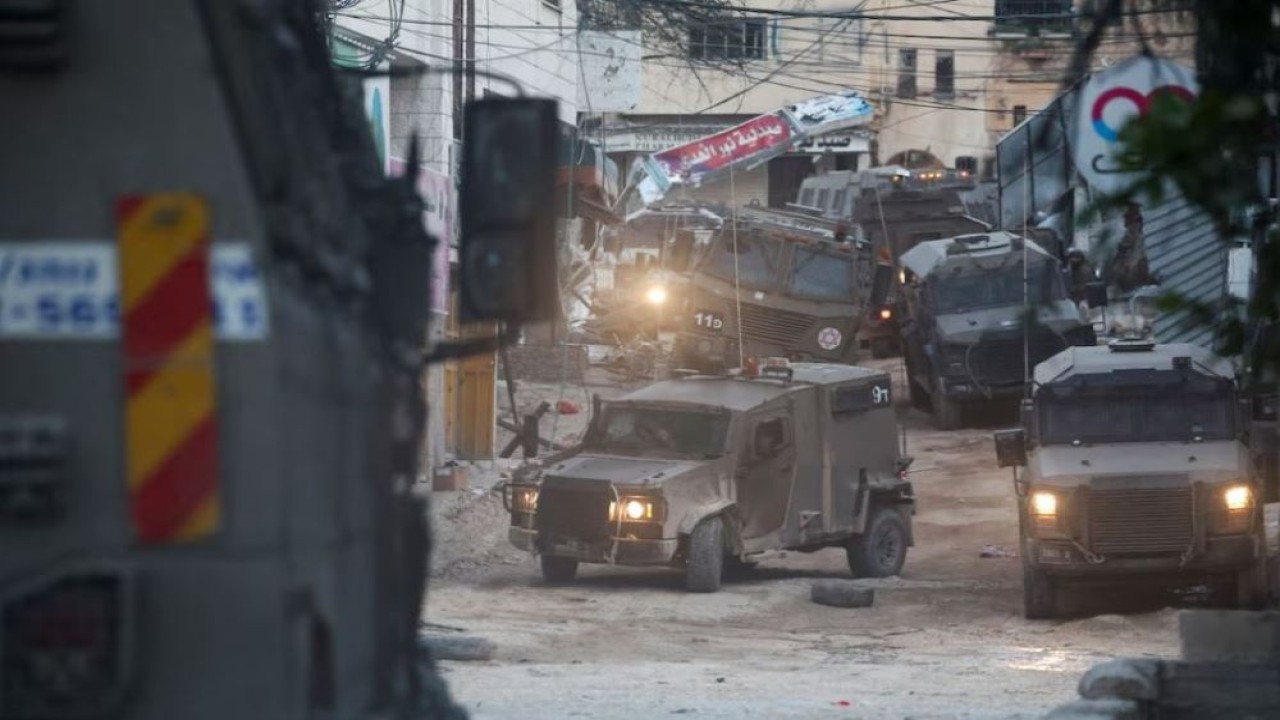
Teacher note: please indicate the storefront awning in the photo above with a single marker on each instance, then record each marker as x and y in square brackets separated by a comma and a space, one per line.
[589, 175]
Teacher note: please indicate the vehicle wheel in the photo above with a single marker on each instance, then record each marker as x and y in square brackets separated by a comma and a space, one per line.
[558, 569]
[882, 549]
[705, 568]
[1252, 589]
[1038, 601]
[946, 412]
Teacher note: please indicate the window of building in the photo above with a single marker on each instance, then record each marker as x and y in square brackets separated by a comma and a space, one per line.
[944, 74]
[1019, 114]
[1034, 16]
[907, 73]
[728, 40]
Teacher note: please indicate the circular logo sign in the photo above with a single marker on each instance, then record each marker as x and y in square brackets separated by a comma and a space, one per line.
[829, 338]
[1112, 98]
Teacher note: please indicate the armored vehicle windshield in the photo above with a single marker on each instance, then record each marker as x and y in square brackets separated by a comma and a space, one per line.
[757, 264]
[638, 431]
[978, 289]
[1175, 410]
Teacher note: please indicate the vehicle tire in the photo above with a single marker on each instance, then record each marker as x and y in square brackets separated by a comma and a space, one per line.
[1252, 588]
[1038, 596]
[946, 412]
[882, 549]
[558, 569]
[704, 570]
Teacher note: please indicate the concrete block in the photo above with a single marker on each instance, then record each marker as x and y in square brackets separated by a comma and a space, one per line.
[1097, 710]
[842, 594]
[449, 479]
[456, 646]
[1238, 636]
[1122, 679]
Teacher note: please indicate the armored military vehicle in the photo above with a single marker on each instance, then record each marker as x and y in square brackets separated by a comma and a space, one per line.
[775, 283]
[897, 209]
[1131, 468]
[965, 319]
[697, 471]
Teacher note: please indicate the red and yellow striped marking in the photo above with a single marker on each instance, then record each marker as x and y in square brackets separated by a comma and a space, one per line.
[171, 414]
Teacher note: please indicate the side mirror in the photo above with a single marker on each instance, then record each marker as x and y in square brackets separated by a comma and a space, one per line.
[1095, 294]
[507, 246]
[1011, 448]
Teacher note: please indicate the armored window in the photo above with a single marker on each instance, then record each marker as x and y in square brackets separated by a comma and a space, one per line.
[769, 438]
[837, 202]
[819, 275]
[806, 197]
[757, 263]
[823, 194]
[907, 73]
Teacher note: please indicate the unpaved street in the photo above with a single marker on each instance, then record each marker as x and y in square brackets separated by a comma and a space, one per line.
[945, 640]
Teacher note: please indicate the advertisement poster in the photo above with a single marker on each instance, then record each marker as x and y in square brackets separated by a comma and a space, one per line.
[438, 218]
[1109, 100]
[751, 142]
[829, 113]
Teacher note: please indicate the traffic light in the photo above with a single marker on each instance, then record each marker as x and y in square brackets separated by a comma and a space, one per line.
[507, 253]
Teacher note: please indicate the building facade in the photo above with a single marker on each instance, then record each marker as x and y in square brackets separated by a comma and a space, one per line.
[441, 54]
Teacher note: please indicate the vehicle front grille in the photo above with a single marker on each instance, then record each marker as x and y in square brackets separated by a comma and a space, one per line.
[581, 514]
[1140, 520]
[1001, 362]
[772, 325]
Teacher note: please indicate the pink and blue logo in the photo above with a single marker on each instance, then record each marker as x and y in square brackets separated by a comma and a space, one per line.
[1140, 101]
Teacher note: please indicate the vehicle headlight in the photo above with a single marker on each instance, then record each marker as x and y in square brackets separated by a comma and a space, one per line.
[886, 314]
[1044, 504]
[656, 295]
[1238, 497]
[524, 499]
[637, 509]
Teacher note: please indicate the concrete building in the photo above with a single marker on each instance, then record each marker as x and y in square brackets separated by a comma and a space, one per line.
[924, 75]
[1032, 54]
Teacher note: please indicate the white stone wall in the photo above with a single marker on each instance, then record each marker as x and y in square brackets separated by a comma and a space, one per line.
[534, 42]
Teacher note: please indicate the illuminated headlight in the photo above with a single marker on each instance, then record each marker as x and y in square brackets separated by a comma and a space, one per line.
[524, 499]
[656, 295]
[1238, 497]
[1044, 504]
[637, 509]
[886, 314]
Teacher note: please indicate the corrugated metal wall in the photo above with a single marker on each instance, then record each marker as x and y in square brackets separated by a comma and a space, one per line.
[1184, 251]
[1182, 246]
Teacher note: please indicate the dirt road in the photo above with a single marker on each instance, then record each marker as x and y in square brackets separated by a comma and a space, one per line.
[946, 640]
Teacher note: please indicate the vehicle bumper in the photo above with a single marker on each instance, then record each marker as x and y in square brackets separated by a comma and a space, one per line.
[627, 552]
[1225, 554]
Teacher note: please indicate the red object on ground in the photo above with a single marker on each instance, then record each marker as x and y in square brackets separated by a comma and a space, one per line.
[844, 703]
[564, 407]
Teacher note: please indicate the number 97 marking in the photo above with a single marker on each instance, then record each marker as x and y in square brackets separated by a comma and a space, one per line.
[879, 395]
